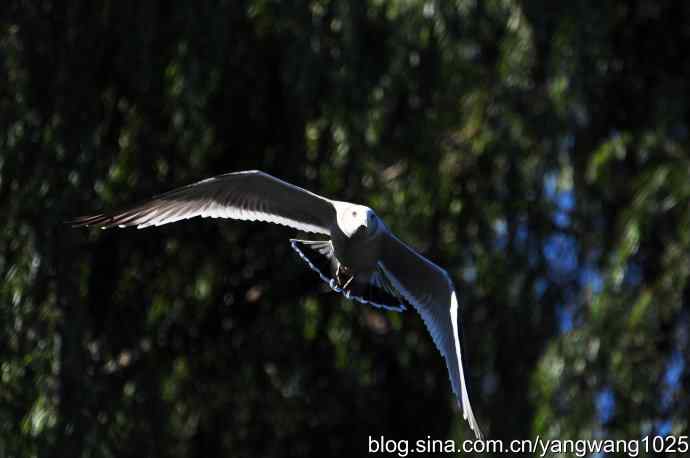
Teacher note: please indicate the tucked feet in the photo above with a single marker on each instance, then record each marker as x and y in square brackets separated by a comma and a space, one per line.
[343, 276]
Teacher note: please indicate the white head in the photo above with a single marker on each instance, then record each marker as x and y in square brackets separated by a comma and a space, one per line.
[357, 220]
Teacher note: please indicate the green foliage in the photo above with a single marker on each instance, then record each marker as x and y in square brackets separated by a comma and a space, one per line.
[538, 151]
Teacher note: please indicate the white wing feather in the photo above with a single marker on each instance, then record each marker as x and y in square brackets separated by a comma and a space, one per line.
[247, 196]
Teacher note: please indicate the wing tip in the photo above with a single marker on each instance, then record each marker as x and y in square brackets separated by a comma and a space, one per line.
[100, 221]
[468, 416]
[477, 433]
[86, 221]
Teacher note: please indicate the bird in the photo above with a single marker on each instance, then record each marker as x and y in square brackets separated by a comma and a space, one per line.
[360, 257]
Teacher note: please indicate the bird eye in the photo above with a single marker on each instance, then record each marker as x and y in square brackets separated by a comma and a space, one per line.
[354, 213]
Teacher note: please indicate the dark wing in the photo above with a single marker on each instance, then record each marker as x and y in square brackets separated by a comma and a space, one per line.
[374, 289]
[248, 196]
[429, 289]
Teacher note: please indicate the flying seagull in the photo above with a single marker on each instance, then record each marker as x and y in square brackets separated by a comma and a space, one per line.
[362, 258]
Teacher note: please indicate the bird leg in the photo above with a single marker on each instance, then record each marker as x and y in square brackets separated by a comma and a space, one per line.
[343, 276]
[349, 280]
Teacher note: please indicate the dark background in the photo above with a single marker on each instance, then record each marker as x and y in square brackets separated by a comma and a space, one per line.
[539, 152]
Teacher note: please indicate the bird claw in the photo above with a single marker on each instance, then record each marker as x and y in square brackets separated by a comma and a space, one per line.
[347, 283]
[343, 277]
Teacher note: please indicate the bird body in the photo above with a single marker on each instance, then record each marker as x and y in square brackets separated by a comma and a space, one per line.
[356, 237]
[362, 258]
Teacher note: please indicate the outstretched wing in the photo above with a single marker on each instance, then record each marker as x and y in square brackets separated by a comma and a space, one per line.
[429, 289]
[249, 196]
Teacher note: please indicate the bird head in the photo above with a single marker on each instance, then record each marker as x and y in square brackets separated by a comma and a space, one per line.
[358, 221]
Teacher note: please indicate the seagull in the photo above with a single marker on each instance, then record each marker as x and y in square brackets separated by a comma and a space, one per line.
[361, 258]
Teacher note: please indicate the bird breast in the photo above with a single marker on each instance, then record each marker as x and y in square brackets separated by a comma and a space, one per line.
[360, 254]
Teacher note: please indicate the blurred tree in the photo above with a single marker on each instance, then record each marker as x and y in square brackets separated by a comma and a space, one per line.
[540, 149]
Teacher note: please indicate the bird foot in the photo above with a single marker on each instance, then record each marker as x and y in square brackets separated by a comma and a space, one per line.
[343, 276]
[349, 280]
